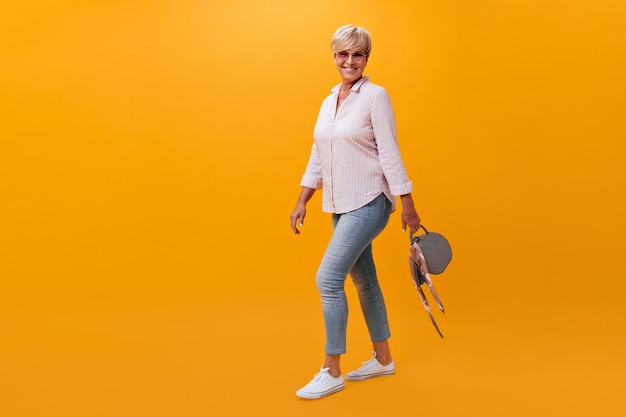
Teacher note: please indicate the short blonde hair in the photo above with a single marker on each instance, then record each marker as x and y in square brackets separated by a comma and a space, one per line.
[352, 37]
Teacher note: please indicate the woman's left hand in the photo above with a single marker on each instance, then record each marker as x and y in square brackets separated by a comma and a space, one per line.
[409, 214]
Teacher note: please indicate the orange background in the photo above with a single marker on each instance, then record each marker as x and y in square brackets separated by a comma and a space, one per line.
[150, 155]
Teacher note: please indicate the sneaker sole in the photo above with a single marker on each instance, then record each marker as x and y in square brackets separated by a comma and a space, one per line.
[316, 396]
[368, 376]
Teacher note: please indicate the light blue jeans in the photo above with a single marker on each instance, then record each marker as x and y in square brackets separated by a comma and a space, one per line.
[350, 251]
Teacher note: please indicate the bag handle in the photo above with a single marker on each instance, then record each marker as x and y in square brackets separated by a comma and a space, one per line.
[412, 239]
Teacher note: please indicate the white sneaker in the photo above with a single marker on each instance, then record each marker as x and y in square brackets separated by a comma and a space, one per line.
[370, 369]
[321, 385]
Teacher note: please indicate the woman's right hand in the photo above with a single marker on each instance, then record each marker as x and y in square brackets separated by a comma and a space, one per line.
[297, 217]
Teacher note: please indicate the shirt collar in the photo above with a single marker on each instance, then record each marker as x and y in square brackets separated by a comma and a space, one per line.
[355, 88]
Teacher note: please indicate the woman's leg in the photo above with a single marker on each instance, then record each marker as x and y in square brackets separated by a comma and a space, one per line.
[353, 234]
[365, 280]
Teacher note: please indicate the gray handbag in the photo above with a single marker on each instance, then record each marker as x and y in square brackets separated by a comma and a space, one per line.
[433, 250]
[436, 249]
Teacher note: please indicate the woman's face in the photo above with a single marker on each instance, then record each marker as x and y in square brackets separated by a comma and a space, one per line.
[350, 64]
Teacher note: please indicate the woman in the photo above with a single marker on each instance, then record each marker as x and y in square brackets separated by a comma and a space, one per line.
[356, 161]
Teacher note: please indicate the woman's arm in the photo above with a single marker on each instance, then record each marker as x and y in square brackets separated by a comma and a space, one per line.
[384, 127]
[311, 181]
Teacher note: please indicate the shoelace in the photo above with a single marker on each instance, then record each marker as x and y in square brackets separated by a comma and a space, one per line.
[367, 364]
[318, 376]
[420, 275]
[364, 366]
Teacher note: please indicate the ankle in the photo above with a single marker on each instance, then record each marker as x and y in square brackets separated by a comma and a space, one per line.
[382, 352]
[384, 359]
[332, 363]
[334, 371]
[385, 362]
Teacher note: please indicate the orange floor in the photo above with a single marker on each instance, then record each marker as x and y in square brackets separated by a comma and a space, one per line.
[246, 351]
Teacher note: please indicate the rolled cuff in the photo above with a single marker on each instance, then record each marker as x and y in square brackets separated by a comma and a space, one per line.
[401, 189]
[311, 182]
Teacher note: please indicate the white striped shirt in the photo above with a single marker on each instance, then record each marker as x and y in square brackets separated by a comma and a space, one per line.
[355, 155]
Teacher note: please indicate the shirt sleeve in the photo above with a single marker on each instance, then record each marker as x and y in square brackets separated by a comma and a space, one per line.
[384, 125]
[312, 177]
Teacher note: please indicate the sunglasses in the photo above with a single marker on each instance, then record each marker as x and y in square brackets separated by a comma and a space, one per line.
[344, 55]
